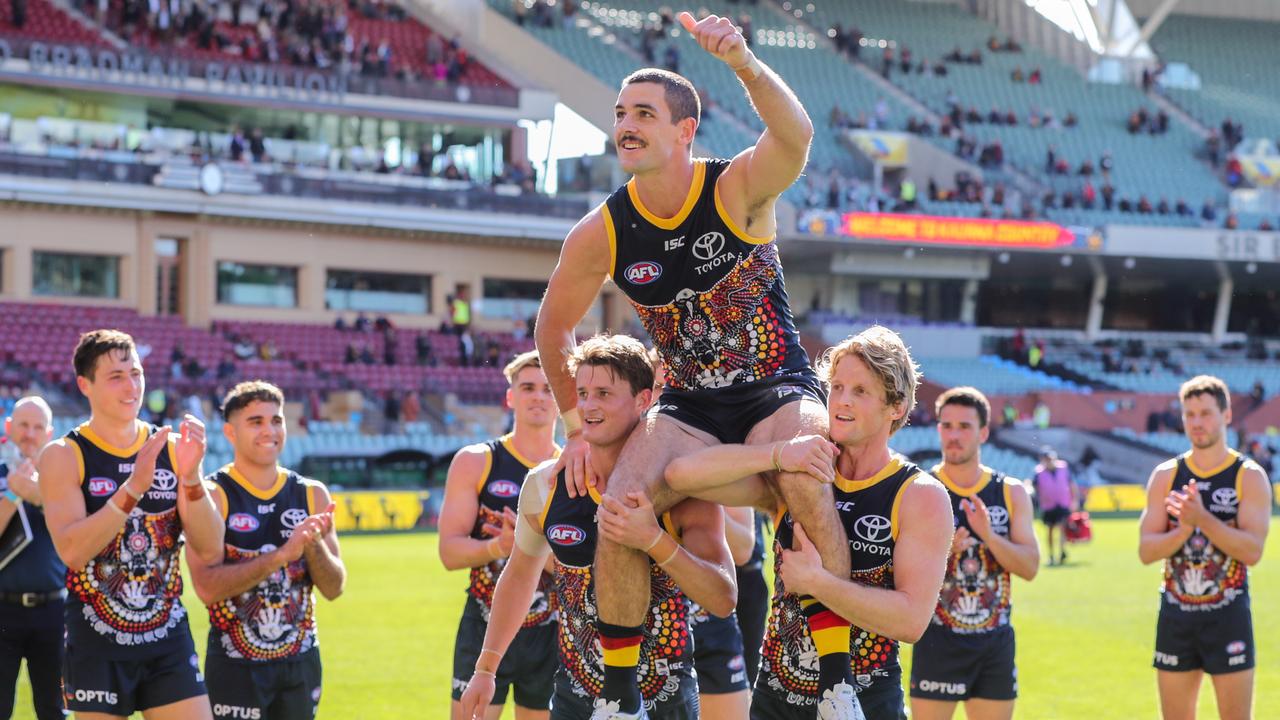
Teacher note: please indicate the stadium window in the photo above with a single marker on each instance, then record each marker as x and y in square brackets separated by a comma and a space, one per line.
[378, 292]
[73, 275]
[260, 285]
[515, 299]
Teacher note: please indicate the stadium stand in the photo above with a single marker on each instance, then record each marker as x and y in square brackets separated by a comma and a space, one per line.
[993, 375]
[42, 20]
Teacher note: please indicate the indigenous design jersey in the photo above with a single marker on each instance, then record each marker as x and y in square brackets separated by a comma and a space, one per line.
[128, 596]
[868, 510]
[1200, 576]
[665, 672]
[976, 595]
[275, 620]
[711, 296]
[499, 488]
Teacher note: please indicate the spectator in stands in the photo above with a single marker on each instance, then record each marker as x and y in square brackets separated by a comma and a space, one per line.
[422, 350]
[1213, 147]
[267, 350]
[236, 146]
[226, 368]
[1034, 77]
[1088, 195]
[257, 147]
[1232, 222]
[340, 323]
[1125, 205]
[1050, 159]
[1106, 164]
[362, 322]
[1265, 224]
[1208, 213]
[1183, 209]
[1162, 207]
[1058, 496]
[907, 195]
[389, 346]
[1108, 196]
[243, 348]
[158, 405]
[886, 62]
[366, 355]
[904, 60]
[466, 349]
[391, 413]
[460, 311]
[1086, 168]
[411, 408]
[1070, 120]
[1017, 75]
[1009, 415]
[352, 355]
[1233, 173]
[1257, 393]
[1144, 205]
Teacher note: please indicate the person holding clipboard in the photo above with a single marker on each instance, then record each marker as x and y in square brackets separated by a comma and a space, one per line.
[32, 578]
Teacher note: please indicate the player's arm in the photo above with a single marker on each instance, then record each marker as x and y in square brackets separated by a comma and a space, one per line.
[1019, 553]
[585, 262]
[77, 536]
[458, 513]
[757, 176]
[202, 523]
[919, 562]
[734, 474]
[221, 580]
[740, 533]
[324, 558]
[1246, 540]
[701, 565]
[1157, 539]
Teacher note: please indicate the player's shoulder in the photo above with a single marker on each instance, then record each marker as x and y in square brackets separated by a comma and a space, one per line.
[923, 482]
[1251, 468]
[471, 457]
[543, 473]
[58, 451]
[1166, 469]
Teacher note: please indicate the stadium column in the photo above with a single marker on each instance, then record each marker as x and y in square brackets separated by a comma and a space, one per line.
[1097, 299]
[1222, 312]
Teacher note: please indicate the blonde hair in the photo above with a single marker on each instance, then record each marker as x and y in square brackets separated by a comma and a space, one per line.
[889, 359]
[520, 362]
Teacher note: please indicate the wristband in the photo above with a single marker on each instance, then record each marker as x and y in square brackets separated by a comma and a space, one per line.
[750, 71]
[494, 548]
[672, 556]
[490, 673]
[194, 491]
[112, 504]
[657, 539]
[11, 496]
[129, 491]
[776, 456]
[572, 422]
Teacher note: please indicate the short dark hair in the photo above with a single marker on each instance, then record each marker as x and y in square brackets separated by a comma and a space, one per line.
[246, 392]
[965, 397]
[682, 98]
[1206, 385]
[626, 357]
[96, 343]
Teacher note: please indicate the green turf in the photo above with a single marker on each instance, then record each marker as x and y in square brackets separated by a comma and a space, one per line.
[1085, 632]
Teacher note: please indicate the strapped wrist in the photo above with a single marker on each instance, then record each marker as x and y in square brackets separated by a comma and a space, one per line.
[749, 71]
[572, 422]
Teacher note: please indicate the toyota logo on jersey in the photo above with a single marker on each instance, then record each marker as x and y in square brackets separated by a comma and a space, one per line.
[999, 516]
[566, 535]
[293, 517]
[504, 489]
[873, 528]
[242, 522]
[163, 480]
[101, 486]
[1225, 496]
[643, 272]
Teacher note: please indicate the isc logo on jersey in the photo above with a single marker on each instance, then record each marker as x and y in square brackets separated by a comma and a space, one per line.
[242, 522]
[566, 535]
[504, 489]
[643, 272]
[101, 487]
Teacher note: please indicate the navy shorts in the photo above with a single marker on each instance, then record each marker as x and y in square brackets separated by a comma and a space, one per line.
[948, 666]
[93, 683]
[729, 413]
[1054, 517]
[529, 664]
[717, 656]
[569, 705]
[1215, 641]
[279, 690]
[881, 700]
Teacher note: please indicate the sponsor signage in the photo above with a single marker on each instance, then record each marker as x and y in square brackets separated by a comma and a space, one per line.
[972, 232]
[1194, 243]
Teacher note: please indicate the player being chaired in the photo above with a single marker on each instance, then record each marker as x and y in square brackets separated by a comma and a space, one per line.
[691, 244]
[687, 560]
[477, 531]
[899, 525]
[1207, 516]
[967, 654]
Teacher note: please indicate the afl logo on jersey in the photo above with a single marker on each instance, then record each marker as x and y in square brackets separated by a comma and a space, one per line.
[242, 522]
[504, 489]
[643, 272]
[293, 517]
[566, 535]
[163, 480]
[101, 487]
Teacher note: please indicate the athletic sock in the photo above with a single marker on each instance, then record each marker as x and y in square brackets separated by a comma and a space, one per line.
[830, 634]
[621, 647]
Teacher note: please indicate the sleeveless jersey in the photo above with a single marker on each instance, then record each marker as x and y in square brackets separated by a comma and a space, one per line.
[1199, 576]
[499, 488]
[665, 672]
[711, 296]
[276, 619]
[868, 509]
[127, 599]
[975, 596]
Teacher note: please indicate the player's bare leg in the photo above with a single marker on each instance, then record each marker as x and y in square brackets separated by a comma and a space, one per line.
[981, 709]
[1178, 693]
[1234, 692]
[922, 709]
[195, 708]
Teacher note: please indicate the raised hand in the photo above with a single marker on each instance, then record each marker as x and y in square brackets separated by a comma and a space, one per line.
[189, 448]
[979, 518]
[720, 37]
[144, 464]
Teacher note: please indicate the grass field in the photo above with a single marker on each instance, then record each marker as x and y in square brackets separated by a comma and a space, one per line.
[1085, 633]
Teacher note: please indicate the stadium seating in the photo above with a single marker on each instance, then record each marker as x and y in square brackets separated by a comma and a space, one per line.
[918, 441]
[1170, 442]
[1235, 60]
[993, 376]
[47, 22]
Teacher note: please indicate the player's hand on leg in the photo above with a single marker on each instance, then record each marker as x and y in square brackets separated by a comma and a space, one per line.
[477, 697]
[578, 475]
[631, 524]
[801, 565]
[813, 455]
[720, 37]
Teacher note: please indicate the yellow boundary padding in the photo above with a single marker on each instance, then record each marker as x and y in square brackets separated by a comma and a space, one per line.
[376, 510]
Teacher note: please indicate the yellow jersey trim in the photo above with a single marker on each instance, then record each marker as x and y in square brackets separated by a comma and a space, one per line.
[1008, 500]
[742, 235]
[612, 233]
[249, 487]
[508, 442]
[1232, 456]
[484, 474]
[846, 485]
[546, 504]
[79, 460]
[88, 434]
[313, 492]
[897, 504]
[224, 507]
[690, 200]
[983, 480]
